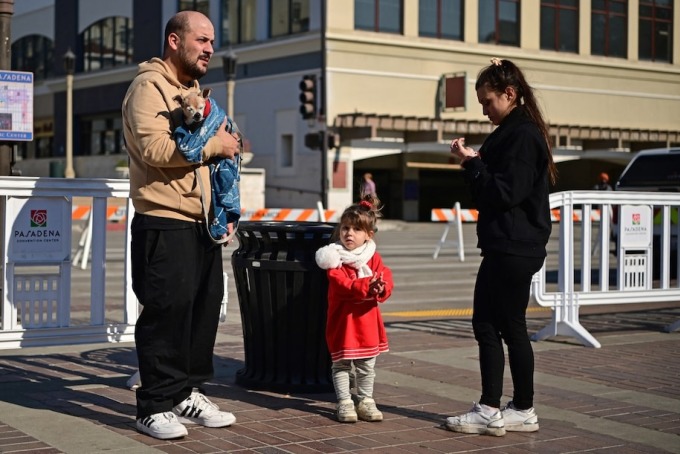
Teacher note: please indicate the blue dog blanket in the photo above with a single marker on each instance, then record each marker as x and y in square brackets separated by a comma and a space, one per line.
[224, 172]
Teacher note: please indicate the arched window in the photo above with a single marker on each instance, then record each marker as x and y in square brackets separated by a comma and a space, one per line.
[34, 53]
[107, 43]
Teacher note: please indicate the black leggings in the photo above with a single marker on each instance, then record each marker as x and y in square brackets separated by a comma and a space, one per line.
[500, 304]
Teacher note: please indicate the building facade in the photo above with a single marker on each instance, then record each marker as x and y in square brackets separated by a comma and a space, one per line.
[392, 82]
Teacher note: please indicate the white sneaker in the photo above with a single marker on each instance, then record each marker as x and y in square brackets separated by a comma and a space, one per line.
[477, 422]
[197, 409]
[345, 411]
[367, 410]
[162, 426]
[519, 420]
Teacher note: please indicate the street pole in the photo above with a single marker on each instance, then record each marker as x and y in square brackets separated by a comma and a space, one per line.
[6, 12]
[231, 85]
[69, 64]
[324, 115]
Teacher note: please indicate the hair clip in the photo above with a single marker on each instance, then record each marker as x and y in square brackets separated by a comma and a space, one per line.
[366, 204]
[496, 61]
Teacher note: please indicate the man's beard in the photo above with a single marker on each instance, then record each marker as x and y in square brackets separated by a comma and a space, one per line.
[191, 67]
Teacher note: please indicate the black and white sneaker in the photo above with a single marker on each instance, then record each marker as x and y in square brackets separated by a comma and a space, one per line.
[197, 409]
[163, 426]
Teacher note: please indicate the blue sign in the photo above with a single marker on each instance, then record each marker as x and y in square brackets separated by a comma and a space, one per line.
[16, 105]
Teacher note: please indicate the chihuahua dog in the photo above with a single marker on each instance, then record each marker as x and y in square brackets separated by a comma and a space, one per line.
[195, 106]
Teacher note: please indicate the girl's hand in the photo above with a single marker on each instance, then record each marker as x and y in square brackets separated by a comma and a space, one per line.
[377, 285]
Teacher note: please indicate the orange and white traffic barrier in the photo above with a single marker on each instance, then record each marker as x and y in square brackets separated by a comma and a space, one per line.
[471, 215]
[117, 214]
[288, 214]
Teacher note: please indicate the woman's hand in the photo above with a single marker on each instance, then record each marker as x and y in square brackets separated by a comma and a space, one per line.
[462, 152]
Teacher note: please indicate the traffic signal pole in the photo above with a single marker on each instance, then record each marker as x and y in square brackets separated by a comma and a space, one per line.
[323, 114]
[6, 12]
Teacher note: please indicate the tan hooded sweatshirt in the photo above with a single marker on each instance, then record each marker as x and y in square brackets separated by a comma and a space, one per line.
[162, 181]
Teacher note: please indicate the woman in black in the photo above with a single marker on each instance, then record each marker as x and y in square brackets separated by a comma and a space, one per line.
[509, 178]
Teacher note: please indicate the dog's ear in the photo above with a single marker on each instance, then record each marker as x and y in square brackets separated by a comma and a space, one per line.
[207, 92]
[179, 100]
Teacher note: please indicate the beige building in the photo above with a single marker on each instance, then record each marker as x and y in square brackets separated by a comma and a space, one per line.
[394, 83]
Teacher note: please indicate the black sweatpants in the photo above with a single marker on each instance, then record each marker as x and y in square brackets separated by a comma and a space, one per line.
[177, 278]
[500, 303]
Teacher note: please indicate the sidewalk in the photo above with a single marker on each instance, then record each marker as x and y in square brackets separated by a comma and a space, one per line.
[622, 398]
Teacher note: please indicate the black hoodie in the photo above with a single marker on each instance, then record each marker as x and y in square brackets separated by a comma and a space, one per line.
[509, 184]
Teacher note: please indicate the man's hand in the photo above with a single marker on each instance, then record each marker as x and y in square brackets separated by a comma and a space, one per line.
[230, 142]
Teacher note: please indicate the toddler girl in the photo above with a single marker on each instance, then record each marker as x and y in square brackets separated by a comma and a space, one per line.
[357, 281]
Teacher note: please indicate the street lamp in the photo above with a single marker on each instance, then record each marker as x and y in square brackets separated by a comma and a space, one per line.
[69, 66]
[229, 70]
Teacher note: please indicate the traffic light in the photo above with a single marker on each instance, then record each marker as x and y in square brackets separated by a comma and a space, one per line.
[315, 140]
[308, 97]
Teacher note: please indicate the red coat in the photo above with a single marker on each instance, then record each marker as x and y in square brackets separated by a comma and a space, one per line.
[354, 326]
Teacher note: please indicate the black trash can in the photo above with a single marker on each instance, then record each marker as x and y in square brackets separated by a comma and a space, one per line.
[282, 295]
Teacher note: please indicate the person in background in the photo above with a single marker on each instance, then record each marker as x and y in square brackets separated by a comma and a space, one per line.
[368, 185]
[509, 179]
[358, 282]
[603, 183]
[177, 271]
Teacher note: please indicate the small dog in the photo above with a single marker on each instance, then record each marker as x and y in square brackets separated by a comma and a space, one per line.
[195, 106]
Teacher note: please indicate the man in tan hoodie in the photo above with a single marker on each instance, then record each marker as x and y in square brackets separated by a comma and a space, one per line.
[176, 267]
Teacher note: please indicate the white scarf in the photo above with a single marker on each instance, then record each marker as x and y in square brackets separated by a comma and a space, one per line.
[334, 255]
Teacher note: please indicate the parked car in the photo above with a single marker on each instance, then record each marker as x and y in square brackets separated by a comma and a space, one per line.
[656, 170]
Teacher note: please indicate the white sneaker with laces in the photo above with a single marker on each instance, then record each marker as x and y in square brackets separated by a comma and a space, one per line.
[345, 411]
[519, 420]
[477, 422]
[368, 411]
[197, 409]
[163, 426]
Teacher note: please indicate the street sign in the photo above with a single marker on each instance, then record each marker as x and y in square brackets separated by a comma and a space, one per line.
[16, 106]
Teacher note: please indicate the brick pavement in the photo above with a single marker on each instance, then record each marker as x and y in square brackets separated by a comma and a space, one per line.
[622, 398]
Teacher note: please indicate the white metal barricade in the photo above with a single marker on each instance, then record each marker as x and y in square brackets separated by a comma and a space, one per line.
[645, 220]
[37, 262]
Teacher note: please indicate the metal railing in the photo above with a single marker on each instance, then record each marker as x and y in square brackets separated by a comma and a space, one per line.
[645, 253]
[37, 254]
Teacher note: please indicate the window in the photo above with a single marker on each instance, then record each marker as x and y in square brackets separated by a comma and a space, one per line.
[656, 30]
[238, 21]
[107, 43]
[102, 135]
[202, 6]
[609, 30]
[288, 17]
[34, 53]
[286, 156]
[499, 22]
[378, 15]
[559, 25]
[441, 19]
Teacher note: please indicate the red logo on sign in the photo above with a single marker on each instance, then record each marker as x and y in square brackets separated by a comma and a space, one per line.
[38, 218]
[636, 218]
